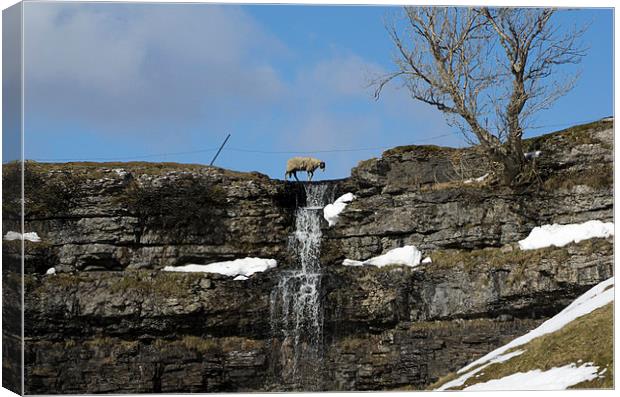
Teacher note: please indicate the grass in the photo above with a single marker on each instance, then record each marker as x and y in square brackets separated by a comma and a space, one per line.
[496, 258]
[588, 338]
[44, 195]
[104, 341]
[582, 134]
[37, 284]
[419, 149]
[93, 169]
[142, 282]
[493, 257]
[516, 261]
[577, 135]
[599, 178]
[210, 345]
[164, 284]
[110, 348]
[458, 184]
[352, 344]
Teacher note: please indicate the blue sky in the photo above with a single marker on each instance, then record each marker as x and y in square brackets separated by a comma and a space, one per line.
[126, 81]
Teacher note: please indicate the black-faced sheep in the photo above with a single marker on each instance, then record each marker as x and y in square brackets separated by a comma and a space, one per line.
[307, 164]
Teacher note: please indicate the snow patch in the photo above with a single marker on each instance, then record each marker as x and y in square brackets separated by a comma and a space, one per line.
[532, 155]
[406, 256]
[559, 378]
[596, 297]
[332, 211]
[477, 180]
[561, 235]
[463, 378]
[30, 236]
[240, 278]
[239, 267]
[50, 271]
[427, 260]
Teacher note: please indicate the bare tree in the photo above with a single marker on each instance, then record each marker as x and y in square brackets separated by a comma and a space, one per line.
[489, 70]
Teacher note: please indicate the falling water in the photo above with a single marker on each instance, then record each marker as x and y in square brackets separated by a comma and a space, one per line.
[297, 313]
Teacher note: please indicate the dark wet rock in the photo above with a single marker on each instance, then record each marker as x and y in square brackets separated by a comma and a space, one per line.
[384, 328]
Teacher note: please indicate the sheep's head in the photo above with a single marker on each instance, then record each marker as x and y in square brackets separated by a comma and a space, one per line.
[322, 165]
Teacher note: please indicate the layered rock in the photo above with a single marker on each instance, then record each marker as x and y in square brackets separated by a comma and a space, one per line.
[111, 321]
[141, 215]
[418, 195]
[388, 328]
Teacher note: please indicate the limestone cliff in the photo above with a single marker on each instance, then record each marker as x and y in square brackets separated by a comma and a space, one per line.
[111, 321]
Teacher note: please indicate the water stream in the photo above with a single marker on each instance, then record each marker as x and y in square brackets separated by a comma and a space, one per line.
[296, 309]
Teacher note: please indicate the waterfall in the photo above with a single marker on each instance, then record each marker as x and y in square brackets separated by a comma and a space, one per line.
[296, 309]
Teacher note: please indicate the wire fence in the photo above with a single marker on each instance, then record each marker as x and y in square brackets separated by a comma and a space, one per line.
[277, 152]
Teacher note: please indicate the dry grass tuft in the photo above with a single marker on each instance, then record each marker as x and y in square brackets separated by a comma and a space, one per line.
[586, 339]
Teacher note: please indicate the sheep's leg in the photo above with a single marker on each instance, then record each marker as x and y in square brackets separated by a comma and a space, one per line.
[310, 173]
[295, 175]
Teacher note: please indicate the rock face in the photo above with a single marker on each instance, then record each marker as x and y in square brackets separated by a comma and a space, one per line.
[111, 321]
[149, 216]
[387, 328]
[416, 195]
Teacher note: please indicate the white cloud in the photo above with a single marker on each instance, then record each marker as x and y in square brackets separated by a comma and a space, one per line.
[121, 64]
[173, 71]
[343, 75]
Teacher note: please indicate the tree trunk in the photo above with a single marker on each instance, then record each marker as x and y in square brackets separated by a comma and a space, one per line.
[513, 161]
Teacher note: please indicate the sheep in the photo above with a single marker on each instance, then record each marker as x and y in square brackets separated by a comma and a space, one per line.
[307, 164]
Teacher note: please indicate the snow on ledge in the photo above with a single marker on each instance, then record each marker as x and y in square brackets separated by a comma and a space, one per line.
[476, 180]
[561, 235]
[463, 378]
[30, 236]
[406, 256]
[559, 378]
[239, 267]
[532, 155]
[597, 296]
[332, 211]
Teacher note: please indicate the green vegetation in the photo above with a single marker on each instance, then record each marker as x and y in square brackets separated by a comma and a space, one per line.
[201, 344]
[45, 195]
[583, 134]
[93, 170]
[496, 258]
[138, 282]
[586, 339]
[458, 184]
[162, 284]
[493, 257]
[210, 345]
[422, 150]
[35, 283]
[599, 178]
[190, 342]
[576, 135]
[353, 344]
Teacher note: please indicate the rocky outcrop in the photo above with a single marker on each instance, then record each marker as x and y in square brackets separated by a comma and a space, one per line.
[384, 328]
[111, 321]
[141, 215]
[418, 195]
